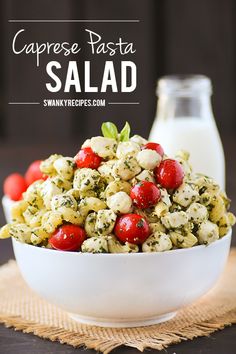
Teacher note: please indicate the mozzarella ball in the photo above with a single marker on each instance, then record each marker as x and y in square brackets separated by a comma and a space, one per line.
[104, 147]
[127, 148]
[185, 195]
[197, 213]
[139, 140]
[120, 203]
[148, 159]
[87, 143]
[208, 232]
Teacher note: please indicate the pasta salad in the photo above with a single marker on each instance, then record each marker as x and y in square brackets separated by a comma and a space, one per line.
[120, 195]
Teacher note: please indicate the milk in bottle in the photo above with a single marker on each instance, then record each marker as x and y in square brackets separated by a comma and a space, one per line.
[185, 121]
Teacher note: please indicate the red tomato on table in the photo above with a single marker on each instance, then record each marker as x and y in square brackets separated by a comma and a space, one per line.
[132, 228]
[67, 237]
[14, 185]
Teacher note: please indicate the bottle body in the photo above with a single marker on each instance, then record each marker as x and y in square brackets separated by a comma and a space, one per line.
[186, 122]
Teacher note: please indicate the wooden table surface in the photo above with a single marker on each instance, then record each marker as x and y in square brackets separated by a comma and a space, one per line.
[11, 342]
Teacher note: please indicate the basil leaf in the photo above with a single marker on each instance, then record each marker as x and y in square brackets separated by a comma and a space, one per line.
[125, 132]
[109, 130]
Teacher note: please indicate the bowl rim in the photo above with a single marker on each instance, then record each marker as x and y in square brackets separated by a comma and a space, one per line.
[8, 199]
[223, 239]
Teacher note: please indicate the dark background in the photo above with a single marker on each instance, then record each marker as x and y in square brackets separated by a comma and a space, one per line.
[172, 37]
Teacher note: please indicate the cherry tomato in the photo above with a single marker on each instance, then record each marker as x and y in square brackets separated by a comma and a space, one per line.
[154, 146]
[33, 172]
[145, 194]
[169, 174]
[14, 185]
[132, 228]
[67, 237]
[87, 158]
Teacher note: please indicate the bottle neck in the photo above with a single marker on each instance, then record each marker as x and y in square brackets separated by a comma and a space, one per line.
[173, 107]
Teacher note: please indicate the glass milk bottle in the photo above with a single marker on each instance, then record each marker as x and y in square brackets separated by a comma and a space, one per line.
[185, 121]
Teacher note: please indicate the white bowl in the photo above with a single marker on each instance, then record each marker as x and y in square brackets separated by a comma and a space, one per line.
[7, 204]
[122, 290]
